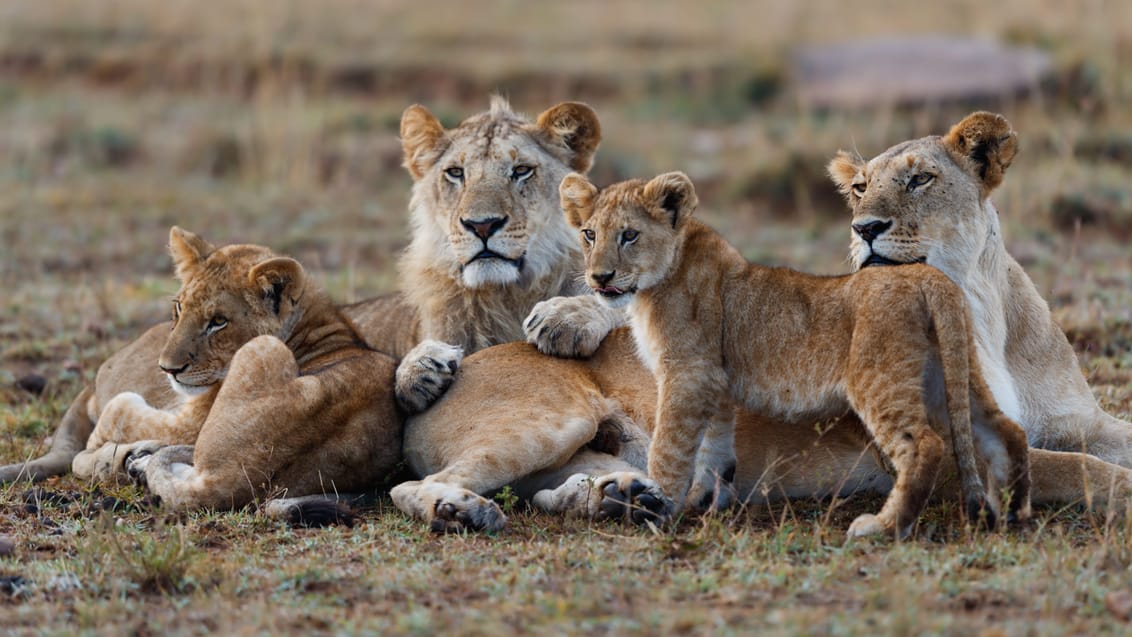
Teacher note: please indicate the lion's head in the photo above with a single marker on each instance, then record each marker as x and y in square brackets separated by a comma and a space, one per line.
[485, 198]
[925, 200]
[228, 296]
[630, 232]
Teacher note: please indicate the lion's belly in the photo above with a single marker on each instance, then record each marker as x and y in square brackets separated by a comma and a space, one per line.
[785, 400]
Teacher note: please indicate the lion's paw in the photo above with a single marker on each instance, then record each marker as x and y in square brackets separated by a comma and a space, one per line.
[711, 491]
[425, 374]
[569, 326]
[630, 496]
[867, 524]
[466, 511]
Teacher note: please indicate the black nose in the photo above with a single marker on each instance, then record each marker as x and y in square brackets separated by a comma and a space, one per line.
[173, 371]
[486, 227]
[603, 278]
[872, 229]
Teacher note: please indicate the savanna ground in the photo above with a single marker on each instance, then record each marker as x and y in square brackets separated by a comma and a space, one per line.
[275, 123]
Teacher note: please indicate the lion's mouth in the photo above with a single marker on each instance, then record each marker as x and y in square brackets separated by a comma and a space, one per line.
[876, 259]
[611, 291]
[489, 254]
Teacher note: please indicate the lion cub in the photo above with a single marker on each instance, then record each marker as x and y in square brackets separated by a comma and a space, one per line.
[716, 330]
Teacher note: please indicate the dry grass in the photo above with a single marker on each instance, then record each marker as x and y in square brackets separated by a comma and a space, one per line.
[275, 122]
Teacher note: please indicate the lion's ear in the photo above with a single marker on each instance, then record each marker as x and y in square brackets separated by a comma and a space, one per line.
[188, 251]
[843, 169]
[279, 279]
[674, 195]
[572, 130]
[422, 139]
[577, 195]
[987, 142]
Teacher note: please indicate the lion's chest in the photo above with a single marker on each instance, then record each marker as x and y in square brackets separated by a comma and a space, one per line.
[648, 342]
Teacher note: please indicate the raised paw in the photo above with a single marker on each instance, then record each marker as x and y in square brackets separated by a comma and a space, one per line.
[570, 326]
[425, 374]
[630, 496]
[466, 512]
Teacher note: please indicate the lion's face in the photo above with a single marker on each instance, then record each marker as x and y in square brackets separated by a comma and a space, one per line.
[630, 232]
[923, 200]
[228, 297]
[486, 192]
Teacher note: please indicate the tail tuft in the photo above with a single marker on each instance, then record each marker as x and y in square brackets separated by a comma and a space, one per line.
[311, 511]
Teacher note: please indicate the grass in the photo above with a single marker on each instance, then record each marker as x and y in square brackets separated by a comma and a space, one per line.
[276, 123]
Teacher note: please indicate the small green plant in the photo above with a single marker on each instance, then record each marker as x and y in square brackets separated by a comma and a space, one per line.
[506, 499]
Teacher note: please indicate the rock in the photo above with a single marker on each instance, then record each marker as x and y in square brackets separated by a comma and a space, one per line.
[32, 383]
[912, 71]
[1119, 603]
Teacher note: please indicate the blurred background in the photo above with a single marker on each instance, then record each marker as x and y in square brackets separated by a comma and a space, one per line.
[275, 122]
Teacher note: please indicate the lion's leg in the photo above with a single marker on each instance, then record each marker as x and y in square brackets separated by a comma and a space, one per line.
[1002, 444]
[691, 403]
[69, 439]
[244, 436]
[510, 452]
[893, 412]
[1062, 478]
[425, 373]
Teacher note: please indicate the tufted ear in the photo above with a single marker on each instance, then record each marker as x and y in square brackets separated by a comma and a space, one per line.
[572, 131]
[843, 169]
[422, 139]
[188, 251]
[987, 143]
[577, 194]
[279, 279]
[674, 195]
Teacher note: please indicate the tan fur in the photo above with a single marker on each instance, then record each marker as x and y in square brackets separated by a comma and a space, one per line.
[437, 306]
[282, 393]
[889, 346]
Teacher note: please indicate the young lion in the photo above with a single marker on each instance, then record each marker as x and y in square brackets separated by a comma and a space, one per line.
[283, 393]
[896, 349]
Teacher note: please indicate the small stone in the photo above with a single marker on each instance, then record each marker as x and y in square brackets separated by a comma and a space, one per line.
[1119, 603]
[32, 383]
[7, 546]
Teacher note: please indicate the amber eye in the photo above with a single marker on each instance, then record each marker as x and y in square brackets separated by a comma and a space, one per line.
[859, 188]
[629, 236]
[919, 180]
[216, 324]
[522, 172]
[588, 235]
[454, 174]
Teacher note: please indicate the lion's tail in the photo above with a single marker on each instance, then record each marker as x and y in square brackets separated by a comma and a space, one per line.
[951, 319]
[315, 510]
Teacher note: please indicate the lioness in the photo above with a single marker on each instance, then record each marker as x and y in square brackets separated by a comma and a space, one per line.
[283, 393]
[489, 243]
[719, 331]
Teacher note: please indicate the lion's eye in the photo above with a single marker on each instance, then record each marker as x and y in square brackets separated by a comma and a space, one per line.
[176, 310]
[216, 323]
[859, 188]
[522, 172]
[629, 236]
[588, 235]
[454, 174]
[919, 180]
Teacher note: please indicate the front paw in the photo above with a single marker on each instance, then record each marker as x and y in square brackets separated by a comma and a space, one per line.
[137, 459]
[569, 326]
[712, 490]
[425, 374]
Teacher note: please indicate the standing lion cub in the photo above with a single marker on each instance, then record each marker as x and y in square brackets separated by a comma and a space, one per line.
[895, 348]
